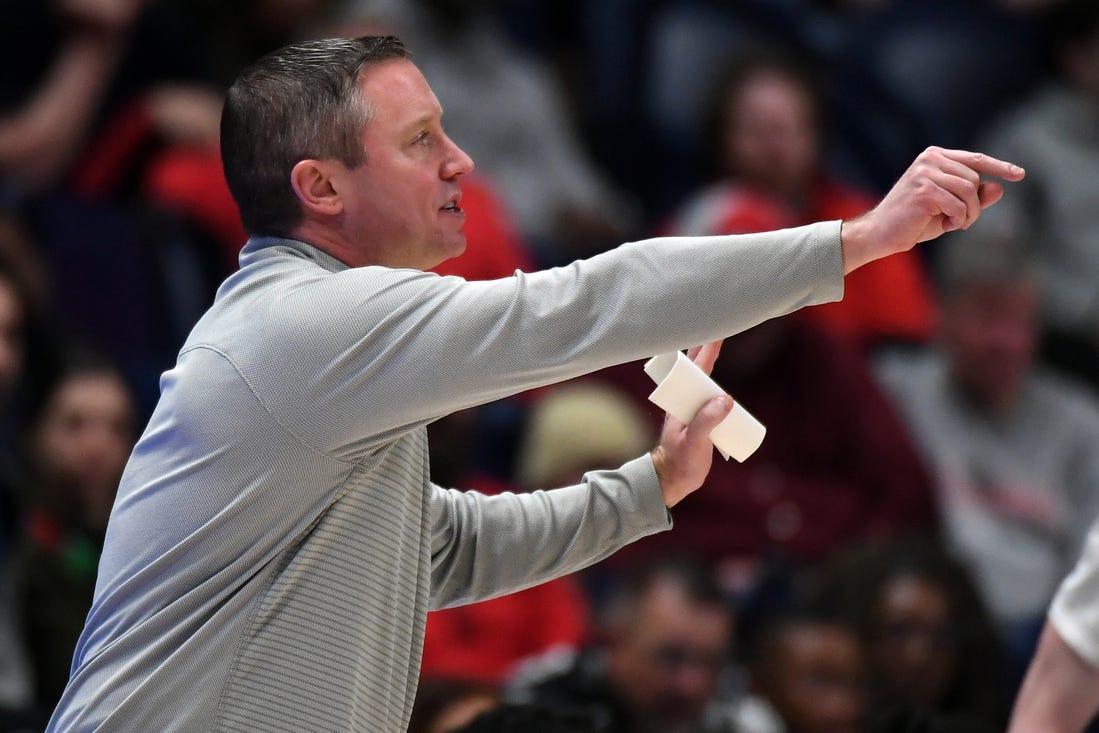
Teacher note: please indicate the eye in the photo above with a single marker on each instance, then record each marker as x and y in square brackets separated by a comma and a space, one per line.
[424, 138]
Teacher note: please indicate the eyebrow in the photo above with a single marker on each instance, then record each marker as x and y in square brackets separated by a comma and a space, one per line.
[425, 119]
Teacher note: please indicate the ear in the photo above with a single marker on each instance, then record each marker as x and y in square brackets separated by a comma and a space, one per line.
[312, 184]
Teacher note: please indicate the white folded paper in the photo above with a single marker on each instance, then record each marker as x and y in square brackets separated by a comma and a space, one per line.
[682, 388]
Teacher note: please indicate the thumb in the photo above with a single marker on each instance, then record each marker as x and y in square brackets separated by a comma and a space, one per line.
[709, 416]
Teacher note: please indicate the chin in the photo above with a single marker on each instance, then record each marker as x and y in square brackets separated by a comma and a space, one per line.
[455, 249]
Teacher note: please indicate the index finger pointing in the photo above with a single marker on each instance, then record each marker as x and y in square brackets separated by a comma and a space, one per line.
[986, 164]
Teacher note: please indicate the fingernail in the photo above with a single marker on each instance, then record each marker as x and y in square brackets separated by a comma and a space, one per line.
[1016, 169]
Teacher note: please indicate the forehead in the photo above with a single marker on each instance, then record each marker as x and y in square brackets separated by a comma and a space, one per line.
[397, 93]
[666, 610]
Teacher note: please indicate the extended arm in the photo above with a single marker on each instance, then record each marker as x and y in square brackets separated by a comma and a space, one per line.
[409, 347]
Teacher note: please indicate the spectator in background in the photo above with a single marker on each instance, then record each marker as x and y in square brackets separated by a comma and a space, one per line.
[570, 430]
[15, 675]
[1056, 135]
[80, 63]
[503, 106]
[110, 154]
[445, 704]
[667, 635]
[766, 127]
[15, 306]
[930, 647]
[41, 133]
[806, 665]
[78, 441]
[1011, 446]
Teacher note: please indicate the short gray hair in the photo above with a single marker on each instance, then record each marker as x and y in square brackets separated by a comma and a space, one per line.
[300, 102]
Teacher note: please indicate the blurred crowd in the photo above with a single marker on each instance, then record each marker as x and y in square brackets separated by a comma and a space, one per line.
[883, 562]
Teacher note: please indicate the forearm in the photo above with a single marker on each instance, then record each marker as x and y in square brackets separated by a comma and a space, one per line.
[1060, 693]
[39, 141]
[489, 546]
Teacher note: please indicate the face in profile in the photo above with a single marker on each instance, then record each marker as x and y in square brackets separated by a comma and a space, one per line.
[402, 206]
[814, 679]
[913, 646]
[666, 664]
[82, 441]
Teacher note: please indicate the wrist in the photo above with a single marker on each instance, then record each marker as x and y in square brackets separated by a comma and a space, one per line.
[857, 242]
[663, 472]
[658, 459]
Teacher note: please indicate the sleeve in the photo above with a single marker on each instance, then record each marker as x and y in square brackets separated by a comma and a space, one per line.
[353, 360]
[487, 546]
[1075, 610]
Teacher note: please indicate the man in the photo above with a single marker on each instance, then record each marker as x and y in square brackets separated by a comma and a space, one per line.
[667, 636]
[1011, 445]
[276, 541]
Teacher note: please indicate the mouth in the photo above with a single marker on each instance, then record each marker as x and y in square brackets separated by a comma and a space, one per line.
[452, 206]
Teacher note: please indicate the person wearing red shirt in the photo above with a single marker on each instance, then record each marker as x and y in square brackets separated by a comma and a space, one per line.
[766, 121]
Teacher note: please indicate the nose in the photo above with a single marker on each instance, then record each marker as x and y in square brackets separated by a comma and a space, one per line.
[457, 162]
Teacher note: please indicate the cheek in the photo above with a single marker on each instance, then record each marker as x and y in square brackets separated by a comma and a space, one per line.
[57, 451]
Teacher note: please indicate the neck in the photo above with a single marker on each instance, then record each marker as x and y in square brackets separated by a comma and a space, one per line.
[329, 241]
